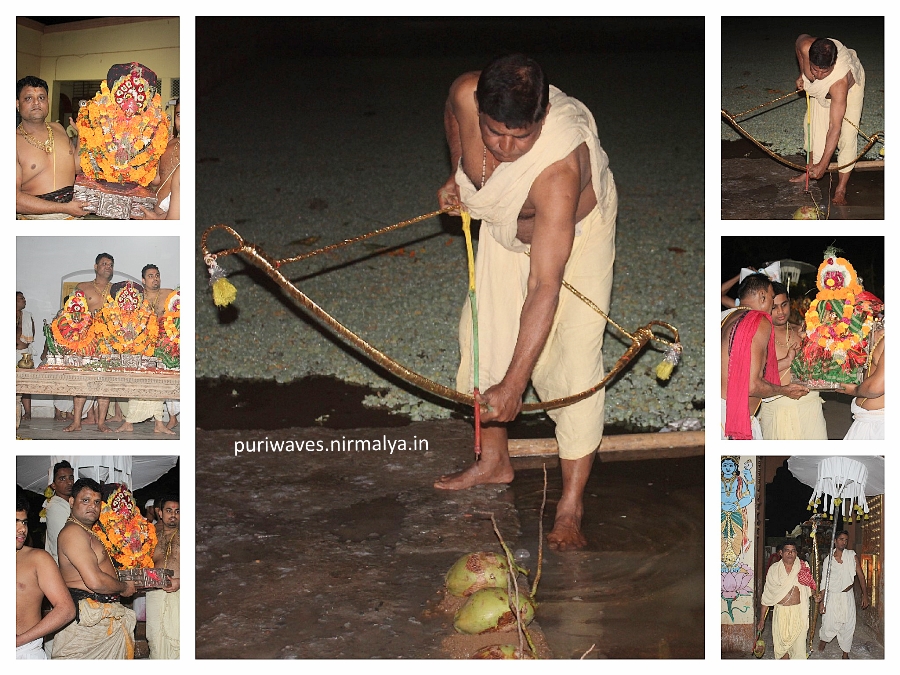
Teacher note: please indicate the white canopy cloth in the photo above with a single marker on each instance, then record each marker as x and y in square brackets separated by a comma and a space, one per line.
[34, 473]
[849, 479]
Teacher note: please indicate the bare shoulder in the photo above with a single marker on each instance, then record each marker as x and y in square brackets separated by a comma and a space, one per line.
[803, 42]
[58, 128]
[465, 83]
[41, 559]
[463, 89]
[573, 169]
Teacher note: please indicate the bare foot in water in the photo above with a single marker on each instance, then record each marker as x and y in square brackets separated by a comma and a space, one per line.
[840, 197]
[566, 534]
[799, 179]
[482, 472]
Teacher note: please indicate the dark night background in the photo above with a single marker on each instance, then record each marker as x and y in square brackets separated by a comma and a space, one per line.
[866, 254]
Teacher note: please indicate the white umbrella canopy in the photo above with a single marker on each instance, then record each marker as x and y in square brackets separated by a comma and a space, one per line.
[850, 479]
[34, 473]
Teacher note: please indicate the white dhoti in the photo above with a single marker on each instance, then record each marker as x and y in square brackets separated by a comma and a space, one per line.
[173, 405]
[868, 425]
[784, 418]
[33, 650]
[163, 624]
[754, 424]
[104, 630]
[839, 619]
[137, 410]
[790, 623]
[820, 107]
[571, 360]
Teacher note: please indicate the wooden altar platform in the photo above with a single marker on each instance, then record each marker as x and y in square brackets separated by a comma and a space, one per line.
[99, 383]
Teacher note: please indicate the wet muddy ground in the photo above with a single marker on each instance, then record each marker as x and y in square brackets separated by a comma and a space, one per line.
[756, 187]
[342, 554]
[866, 645]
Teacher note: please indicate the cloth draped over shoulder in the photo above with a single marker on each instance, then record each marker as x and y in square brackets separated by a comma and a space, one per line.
[737, 420]
[568, 124]
[779, 582]
[790, 622]
[571, 360]
[847, 61]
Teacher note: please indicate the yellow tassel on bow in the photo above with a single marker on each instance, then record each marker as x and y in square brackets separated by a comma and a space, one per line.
[664, 370]
[224, 292]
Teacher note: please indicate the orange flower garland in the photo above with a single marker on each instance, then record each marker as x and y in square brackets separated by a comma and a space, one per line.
[126, 534]
[127, 325]
[118, 147]
[73, 329]
[172, 318]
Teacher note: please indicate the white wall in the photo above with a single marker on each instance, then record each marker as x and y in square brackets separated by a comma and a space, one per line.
[43, 262]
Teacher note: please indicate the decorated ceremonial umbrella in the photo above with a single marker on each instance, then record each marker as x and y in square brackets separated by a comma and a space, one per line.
[792, 269]
[840, 485]
[35, 473]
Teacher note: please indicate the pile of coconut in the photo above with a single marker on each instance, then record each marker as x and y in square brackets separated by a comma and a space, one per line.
[485, 595]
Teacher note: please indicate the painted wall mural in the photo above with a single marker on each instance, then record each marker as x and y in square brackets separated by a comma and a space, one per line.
[737, 531]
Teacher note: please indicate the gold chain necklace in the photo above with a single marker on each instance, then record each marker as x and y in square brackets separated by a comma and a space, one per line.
[156, 300]
[46, 146]
[484, 166]
[787, 339]
[102, 293]
[169, 550]
[71, 519]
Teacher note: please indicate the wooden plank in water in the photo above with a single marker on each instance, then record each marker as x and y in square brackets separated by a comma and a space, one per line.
[622, 446]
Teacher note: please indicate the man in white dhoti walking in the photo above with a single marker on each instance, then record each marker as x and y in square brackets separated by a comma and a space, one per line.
[841, 569]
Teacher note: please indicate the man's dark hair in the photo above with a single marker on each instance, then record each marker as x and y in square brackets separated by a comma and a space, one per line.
[30, 81]
[822, 53]
[20, 293]
[513, 91]
[780, 289]
[161, 502]
[101, 256]
[842, 532]
[151, 266]
[174, 129]
[755, 283]
[791, 542]
[60, 465]
[85, 484]
[22, 503]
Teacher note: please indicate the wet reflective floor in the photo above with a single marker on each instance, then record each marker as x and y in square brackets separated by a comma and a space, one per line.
[341, 554]
[756, 187]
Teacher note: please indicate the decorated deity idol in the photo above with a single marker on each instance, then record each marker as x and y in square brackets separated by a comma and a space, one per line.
[168, 348]
[73, 328]
[122, 135]
[127, 325]
[127, 535]
[838, 324]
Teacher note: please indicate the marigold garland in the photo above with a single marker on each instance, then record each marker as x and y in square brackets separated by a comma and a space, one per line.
[127, 325]
[126, 534]
[118, 147]
[73, 329]
[838, 323]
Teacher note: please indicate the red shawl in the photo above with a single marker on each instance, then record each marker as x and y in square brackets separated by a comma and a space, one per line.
[737, 413]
